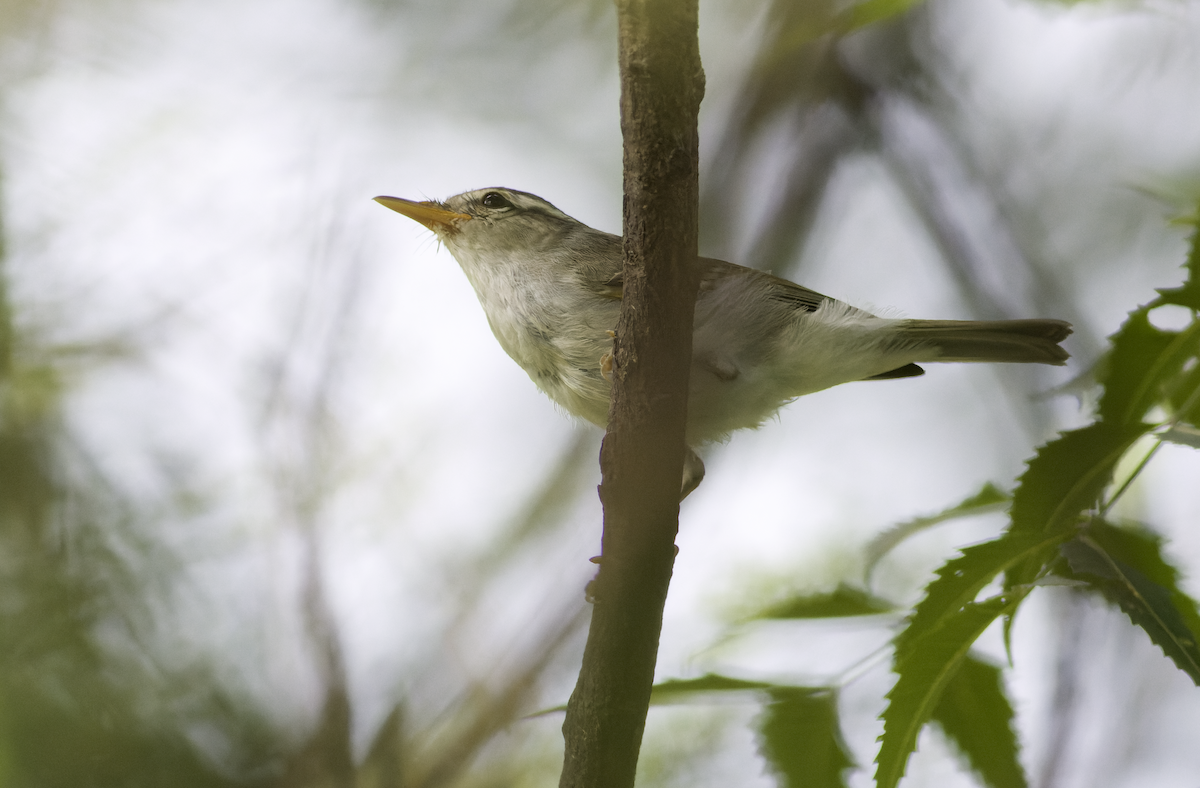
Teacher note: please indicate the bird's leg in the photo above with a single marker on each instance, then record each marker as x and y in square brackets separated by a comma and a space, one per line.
[693, 473]
[606, 361]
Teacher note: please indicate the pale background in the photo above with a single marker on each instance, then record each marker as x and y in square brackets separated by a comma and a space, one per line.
[308, 368]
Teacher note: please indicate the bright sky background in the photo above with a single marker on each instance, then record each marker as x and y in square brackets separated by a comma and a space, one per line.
[197, 174]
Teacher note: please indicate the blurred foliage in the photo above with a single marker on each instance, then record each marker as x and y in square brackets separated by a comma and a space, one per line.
[989, 499]
[842, 602]
[76, 565]
[70, 713]
[801, 739]
[975, 714]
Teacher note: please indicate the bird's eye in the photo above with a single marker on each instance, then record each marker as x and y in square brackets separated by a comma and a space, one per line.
[495, 200]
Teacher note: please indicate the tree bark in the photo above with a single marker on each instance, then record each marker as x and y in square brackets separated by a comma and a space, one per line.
[642, 456]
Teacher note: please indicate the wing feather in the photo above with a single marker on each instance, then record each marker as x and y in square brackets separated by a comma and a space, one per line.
[712, 273]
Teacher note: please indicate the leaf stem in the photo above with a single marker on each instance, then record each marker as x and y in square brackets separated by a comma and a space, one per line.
[1107, 505]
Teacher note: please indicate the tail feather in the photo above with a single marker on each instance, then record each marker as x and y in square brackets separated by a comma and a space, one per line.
[1013, 341]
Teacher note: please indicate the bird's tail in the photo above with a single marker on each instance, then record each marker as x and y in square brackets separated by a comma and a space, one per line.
[1016, 341]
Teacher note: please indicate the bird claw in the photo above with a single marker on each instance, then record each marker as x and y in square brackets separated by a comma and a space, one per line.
[606, 361]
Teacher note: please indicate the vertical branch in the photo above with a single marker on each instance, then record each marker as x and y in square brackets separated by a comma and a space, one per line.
[642, 457]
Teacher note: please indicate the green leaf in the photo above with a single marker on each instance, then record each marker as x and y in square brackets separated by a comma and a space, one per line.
[1138, 366]
[960, 580]
[988, 499]
[1188, 294]
[1068, 475]
[671, 690]
[675, 690]
[1141, 548]
[974, 713]
[1182, 396]
[924, 670]
[869, 12]
[800, 738]
[1065, 478]
[940, 632]
[1147, 365]
[842, 602]
[1151, 599]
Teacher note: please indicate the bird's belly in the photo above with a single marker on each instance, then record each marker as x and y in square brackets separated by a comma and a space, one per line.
[719, 404]
[567, 372]
[581, 394]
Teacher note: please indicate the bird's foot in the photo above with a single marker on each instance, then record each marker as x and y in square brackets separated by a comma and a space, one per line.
[606, 361]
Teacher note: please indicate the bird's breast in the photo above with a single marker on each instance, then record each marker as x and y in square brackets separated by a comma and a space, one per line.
[559, 347]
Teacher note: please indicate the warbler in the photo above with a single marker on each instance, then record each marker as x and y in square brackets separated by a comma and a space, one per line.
[551, 289]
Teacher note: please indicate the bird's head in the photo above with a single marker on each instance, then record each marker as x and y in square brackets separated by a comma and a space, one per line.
[495, 220]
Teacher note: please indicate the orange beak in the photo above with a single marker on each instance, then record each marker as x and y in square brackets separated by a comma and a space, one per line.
[430, 214]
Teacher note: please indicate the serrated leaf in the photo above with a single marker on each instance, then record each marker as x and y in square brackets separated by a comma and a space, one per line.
[924, 670]
[960, 580]
[1067, 475]
[800, 738]
[1142, 358]
[974, 713]
[1142, 549]
[671, 690]
[1065, 478]
[1167, 615]
[989, 498]
[844, 601]
[1147, 365]
[1188, 294]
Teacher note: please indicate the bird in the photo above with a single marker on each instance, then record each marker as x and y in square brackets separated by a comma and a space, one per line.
[551, 288]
